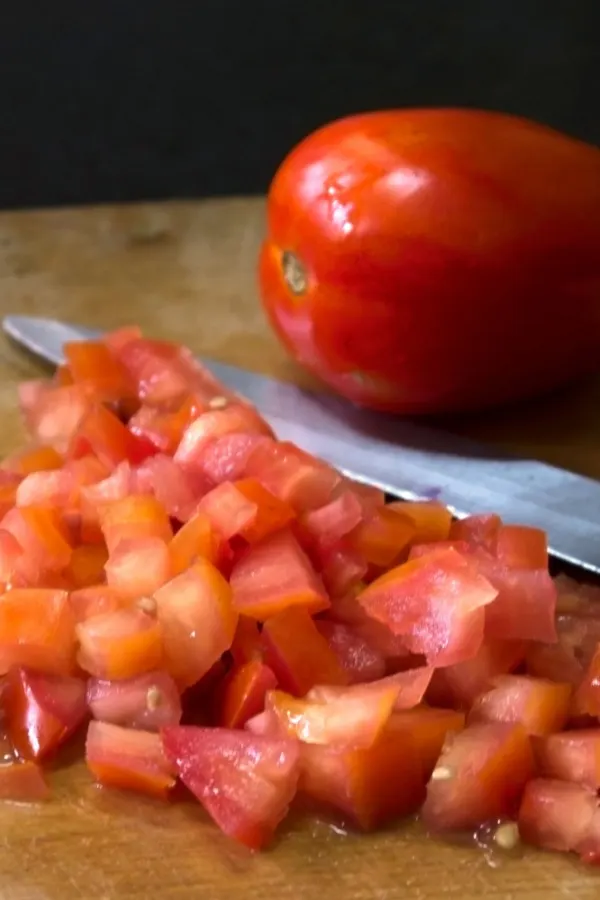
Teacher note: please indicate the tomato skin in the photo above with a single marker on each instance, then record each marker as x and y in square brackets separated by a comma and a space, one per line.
[401, 218]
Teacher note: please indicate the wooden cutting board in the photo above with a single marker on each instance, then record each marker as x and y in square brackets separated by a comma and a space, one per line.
[187, 271]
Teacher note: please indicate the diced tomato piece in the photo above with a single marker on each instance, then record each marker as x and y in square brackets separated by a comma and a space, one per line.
[148, 701]
[225, 458]
[571, 756]
[62, 375]
[357, 657]
[41, 534]
[53, 414]
[568, 659]
[272, 514]
[353, 719]
[419, 550]
[197, 619]
[477, 531]
[331, 522]
[244, 781]
[298, 654]
[275, 574]
[436, 603]
[519, 547]
[86, 566]
[587, 696]
[480, 776]
[120, 644]
[247, 641]
[369, 497]
[526, 603]
[196, 539]
[243, 693]
[237, 418]
[428, 729]
[342, 569]
[461, 684]
[301, 480]
[119, 338]
[60, 487]
[164, 427]
[432, 520]
[103, 433]
[556, 815]
[94, 600]
[23, 782]
[37, 630]
[391, 646]
[42, 711]
[178, 492]
[136, 516]
[35, 459]
[128, 758]
[93, 364]
[11, 553]
[372, 786]
[117, 486]
[382, 537]
[228, 510]
[156, 368]
[138, 567]
[410, 687]
[541, 706]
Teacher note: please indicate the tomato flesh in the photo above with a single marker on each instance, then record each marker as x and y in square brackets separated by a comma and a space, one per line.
[42, 711]
[487, 767]
[436, 603]
[245, 782]
[541, 706]
[129, 759]
[148, 701]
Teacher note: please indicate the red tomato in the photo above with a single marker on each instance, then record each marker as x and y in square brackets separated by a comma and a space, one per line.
[275, 574]
[177, 491]
[353, 719]
[129, 759]
[243, 693]
[37, 630]
[197, 621]
[480, 776]
[485, 224]
[92, 363]
[296, 477]
[436, 603]
[360, 661]
[371, 785]
[120, 644]
[138, 567]
[331, 522]
[42, 711]
[460, 684]
[148, 701]
[557, 815]
[432, 521]
[571, 756]
[244, 781]
[234, 419]
[133, 517]
[196, 539]
[409, 686]
[541, 706]
[297, 652]
[103, 433]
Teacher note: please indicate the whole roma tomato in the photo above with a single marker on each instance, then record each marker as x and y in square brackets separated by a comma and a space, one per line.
[436, 260]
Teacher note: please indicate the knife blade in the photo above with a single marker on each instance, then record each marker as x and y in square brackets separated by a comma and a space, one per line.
[404, 458]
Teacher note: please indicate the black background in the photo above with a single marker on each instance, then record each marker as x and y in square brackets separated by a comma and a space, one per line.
[151, 99]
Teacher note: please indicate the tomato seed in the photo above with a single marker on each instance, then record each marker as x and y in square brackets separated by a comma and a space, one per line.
[507, 836]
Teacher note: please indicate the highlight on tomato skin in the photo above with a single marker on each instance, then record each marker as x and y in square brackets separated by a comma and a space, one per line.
[220, 608]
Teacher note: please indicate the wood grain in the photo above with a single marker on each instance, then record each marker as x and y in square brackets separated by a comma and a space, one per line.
[186, 270]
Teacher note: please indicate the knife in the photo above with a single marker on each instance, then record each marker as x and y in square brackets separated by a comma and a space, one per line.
[408, 460]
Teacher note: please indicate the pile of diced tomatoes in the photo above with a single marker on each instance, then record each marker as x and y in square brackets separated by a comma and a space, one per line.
[214, 606]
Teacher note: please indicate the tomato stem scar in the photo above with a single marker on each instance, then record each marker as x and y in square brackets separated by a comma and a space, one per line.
[294, 273]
